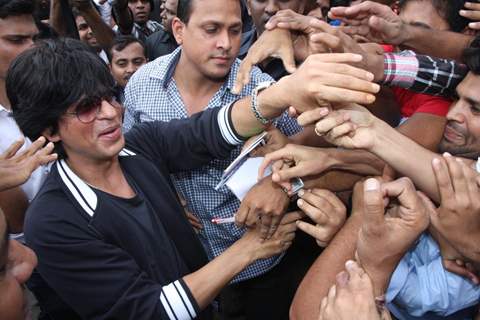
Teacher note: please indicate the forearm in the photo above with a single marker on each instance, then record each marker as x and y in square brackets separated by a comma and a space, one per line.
[322, 274]
[123, 16]
[61, 19]
[206, 283]
[448, 45]
[406, 157]
[335, 181]
[14, 204]
[102, 32]
[270, 103]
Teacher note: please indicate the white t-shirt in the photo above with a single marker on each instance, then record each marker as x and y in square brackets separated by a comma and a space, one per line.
[11, 133]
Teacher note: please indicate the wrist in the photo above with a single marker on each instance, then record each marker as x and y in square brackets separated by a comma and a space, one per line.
[271, 101]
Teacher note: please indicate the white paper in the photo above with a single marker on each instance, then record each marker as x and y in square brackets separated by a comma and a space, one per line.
[246, 177]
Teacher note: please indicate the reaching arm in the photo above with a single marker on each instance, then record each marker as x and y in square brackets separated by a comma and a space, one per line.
[380, 24]
[322, 274]
[123, 16]
[61, 19]
[102, 32]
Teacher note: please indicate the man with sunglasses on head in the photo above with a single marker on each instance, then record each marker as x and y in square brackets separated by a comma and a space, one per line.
[107, 226]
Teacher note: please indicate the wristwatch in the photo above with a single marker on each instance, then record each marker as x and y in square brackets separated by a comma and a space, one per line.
[261, 86]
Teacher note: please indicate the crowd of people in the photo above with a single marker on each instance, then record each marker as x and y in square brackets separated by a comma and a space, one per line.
[119, 118]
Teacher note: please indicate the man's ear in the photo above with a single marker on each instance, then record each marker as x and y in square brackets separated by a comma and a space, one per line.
[178, 28]
[51, 137]
[248, 7]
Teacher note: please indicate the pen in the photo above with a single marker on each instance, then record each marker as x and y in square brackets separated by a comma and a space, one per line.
[223, 220]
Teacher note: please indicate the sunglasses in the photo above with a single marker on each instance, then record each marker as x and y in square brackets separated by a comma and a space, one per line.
[88, 108]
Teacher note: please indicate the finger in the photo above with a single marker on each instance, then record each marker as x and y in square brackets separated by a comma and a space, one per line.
[312, 116]
[342, 130]
[312, 231]
[458, 179]
[403, 190]
[472, 6]
[274, 226]
[328, 40]
[252, 217]
[460, 270]
[287, 57]
[471, 14]
[334, 119]
[474, 25]
[325, 69]
[444, 182]
[373, 203]
[43, 157]
[35, 146]
[471, 177]
[290, 173]
[330, 197]
[241, 215]
[323, 306]
[292, 217]
[12, 149]
[281, 154]
[427, 202]
[334, 94]
[266, 222]
[243, 75]
[340, 58]
[318, 216]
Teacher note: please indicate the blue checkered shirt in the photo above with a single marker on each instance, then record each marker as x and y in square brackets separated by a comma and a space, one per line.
[151, 94]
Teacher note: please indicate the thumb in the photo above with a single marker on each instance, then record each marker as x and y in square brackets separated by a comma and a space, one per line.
[374, 209]
[288, 60]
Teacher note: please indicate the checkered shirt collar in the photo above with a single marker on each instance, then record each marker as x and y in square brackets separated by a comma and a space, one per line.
[165, 70]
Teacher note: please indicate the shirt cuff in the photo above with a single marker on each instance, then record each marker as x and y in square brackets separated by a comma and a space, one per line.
[178, 301]
[400, 69]
[226, 125]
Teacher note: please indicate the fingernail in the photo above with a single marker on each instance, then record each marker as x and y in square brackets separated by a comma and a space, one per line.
[349, 264]
[446, 154]
[300, 202]
[459, 160]
[372, 184]
[463, 12]
[436, 162]
[323, 111]
[375, 87]
[370, 98]
[370, 76]
[301, 193]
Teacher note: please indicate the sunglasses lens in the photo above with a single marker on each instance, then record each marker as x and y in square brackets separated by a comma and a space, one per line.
[87, 111]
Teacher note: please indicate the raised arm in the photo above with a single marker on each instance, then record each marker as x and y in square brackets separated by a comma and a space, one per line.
[380, 24]
[102, 32]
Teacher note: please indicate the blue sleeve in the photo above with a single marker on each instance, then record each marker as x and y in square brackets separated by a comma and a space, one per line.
[186, 144]
[420, 284]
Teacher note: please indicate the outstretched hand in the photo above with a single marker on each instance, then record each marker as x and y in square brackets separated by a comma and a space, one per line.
[15, 169]
[389, 231]
[374, 21]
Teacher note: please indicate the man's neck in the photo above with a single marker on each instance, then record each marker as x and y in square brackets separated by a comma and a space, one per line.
[196, 90]
[4, 102]
[105, 175]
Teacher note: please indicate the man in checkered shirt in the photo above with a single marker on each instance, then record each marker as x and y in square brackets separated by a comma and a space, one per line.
[201, 74]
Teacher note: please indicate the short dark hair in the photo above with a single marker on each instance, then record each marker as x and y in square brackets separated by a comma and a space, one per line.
[184, 10]
[471, 56]
[121, 42]
[16, 8]
[44, 81]
[448, 10]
